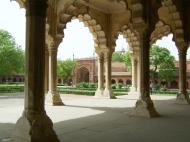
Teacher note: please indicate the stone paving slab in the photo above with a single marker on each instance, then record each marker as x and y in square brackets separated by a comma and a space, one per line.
[89, 119]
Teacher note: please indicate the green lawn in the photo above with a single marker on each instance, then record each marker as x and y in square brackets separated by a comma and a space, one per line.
[19, 87]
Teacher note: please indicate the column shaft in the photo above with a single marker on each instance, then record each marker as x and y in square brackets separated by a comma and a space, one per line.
[108, 89]
[34, 125]
[139, 74]
[144, 106]
[134, 75]
[53, 96]
[182, 96]
[99, 91]
[46, 84]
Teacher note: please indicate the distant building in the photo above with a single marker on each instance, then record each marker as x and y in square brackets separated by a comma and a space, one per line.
[87, 69]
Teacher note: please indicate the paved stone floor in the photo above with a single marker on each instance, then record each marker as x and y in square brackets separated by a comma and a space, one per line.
[89, 119]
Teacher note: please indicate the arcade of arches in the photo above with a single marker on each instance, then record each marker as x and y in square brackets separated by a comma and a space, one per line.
[142, 22]
[88, 68]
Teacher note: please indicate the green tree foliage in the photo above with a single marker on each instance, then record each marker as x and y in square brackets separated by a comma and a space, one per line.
[65, 68]
[127, 60]
[117, 56]
[125, 57]
[161, 63]
[11, 56]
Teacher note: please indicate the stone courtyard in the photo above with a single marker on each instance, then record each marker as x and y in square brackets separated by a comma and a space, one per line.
[89, 119]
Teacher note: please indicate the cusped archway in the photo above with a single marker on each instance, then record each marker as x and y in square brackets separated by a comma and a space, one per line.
[169, 14]
[82, 75]
[93, 26]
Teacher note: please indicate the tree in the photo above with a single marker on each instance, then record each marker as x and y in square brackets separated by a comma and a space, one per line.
[161, 63]
[11, 56]
[65, 68]
[117, 56]
[125, 57]
[127, 60]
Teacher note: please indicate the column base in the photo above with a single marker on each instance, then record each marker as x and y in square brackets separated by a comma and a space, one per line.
[182, 99]
[145, 109]
[53, 98]
[109, 93]
[35, 128]
[99, 93]
[133, 89]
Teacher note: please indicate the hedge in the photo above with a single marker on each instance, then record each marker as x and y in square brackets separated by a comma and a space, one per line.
[91, 89]
[84, 92]
[11, 88]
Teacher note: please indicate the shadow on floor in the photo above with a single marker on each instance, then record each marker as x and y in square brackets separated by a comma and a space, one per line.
[115, 125]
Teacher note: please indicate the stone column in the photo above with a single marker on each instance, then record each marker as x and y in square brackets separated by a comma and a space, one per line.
[34, 125]
[134, 75]
[138, 75]
[144, 106]
[100, 89]
[46, 88]
[182, 97]
[107, 62]
[53, 96]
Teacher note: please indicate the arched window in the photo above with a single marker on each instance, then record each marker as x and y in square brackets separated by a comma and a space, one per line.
[128, 82]
[82, 75]
[113, 81]
[120, 81]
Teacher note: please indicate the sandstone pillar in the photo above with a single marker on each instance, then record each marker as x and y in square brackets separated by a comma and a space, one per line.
[108, 89]
[139, 74]
[144, 106]
[100, 89]
[53, 96]
[134, 75]
[46, 84]
[34, 125]
[182, 97]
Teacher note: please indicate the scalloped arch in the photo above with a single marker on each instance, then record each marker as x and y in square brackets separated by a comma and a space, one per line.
[132, 37]
[161, 29]
[80, 12]
[175, 21]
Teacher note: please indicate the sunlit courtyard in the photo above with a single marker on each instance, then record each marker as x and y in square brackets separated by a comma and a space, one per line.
[85, 119]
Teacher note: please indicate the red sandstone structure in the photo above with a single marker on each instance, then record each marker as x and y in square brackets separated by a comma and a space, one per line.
[87, 68]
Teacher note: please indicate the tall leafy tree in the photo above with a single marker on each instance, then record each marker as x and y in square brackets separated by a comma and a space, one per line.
[65, 68]
[117, 56]
[161, 63]
[127, 60]
[11, 56]
[123, 57]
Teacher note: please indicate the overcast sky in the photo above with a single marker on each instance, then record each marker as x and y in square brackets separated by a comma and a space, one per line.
[78, 40]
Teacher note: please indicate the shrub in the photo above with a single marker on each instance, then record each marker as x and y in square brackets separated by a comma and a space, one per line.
[113, 86]
[120, 85]
[11, 88]
[92, 85]
[163, 89]
[155, 87]
[83, 85]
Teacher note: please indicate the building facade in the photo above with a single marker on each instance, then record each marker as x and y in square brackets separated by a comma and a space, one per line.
[87, 71]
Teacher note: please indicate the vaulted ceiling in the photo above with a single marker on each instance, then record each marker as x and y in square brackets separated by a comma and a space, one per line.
[110, 16]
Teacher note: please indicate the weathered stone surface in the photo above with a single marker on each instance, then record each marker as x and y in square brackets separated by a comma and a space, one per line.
[182, 99]
[37, 128]
[144, 109]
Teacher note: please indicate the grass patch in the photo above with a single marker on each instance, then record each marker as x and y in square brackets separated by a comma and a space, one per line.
[87, 91]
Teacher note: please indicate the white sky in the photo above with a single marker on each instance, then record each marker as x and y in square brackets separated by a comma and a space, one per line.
[77, 40]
